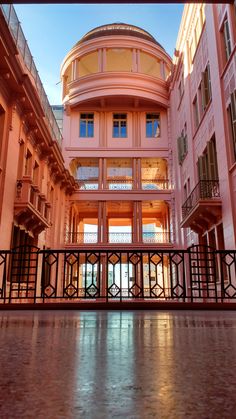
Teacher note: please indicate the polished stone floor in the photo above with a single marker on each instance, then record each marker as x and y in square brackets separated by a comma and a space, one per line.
[130, 364]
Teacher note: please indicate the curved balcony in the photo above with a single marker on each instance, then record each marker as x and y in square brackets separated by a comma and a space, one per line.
[138, 86]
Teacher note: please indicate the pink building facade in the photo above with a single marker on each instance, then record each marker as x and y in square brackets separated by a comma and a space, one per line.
[146, 164]
[34, 183]
[148, 149]
[117, 139]
[202, 106]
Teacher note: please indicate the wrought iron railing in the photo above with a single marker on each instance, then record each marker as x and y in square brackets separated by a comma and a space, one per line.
[13, 23]
[205, 189]
[198, 274]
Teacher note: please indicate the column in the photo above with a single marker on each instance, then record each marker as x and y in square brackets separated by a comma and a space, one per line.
[100, 59]
[105, 186]
[104, 223]
[139, 222]
[134, 173]
[162, 70]
[74, 70]
[135, 224]
[100, 173]
[104, 59]
[100, 220]
[139, 173]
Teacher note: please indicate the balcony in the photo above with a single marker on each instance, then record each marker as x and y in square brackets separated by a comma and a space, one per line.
[150, 237]
[122, 184]
[14, 25]
[31, 208]
[202, 209]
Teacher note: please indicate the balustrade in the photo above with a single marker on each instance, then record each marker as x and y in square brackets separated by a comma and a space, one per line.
[121, 237]
[123, 184]
[198, 274]
[204, 190]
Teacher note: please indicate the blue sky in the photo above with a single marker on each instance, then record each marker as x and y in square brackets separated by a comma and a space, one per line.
[52, 30]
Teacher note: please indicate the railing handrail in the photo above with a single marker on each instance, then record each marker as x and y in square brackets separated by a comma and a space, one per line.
[14, 25]
[108, 274]
[204, 189]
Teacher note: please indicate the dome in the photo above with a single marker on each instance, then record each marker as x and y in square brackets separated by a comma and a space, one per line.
[118, 29]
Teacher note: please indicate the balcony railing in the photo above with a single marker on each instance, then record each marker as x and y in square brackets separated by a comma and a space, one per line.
[119, 184]
[22, 46]
[122, 237]
[197, 274]
[153, 237]
[30, 203]
[204, 190]
[150, 184]
[123, 184]
[81, 238]
[87, 184]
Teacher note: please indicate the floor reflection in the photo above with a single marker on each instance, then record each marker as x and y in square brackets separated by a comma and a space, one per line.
[97, 364]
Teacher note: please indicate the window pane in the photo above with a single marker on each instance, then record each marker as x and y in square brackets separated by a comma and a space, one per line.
[149, 128]
[152, 125]
[82, 128]
[156, 128]
[90, 128]
[115, 129]
[123, 129]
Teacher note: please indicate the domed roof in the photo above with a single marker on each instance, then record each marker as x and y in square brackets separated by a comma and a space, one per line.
[118, 29]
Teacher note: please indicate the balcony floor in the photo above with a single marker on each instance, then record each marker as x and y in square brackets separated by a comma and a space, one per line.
[104, 364]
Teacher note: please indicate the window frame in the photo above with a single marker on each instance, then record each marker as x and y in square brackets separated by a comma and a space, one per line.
[152, 118]
[120, 119]
[232, 122]
[87, 119]
[196, 112]
[226, 38]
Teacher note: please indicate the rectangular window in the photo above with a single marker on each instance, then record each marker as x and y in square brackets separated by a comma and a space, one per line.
[205, 88]
[181, 87]
[86, 127]
[152, 125]
[28, 163]
[195, 112]
[119, 125]
[207, 162]
[2, 125]
[232, 119]
[182, 143]
[227, 42]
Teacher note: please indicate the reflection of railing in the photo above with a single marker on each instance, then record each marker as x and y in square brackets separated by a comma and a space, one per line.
[119, 184]
[76, 238]
[88, 184]
[153, 237]
[149, 184]
[205, 189]
[22, 46]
